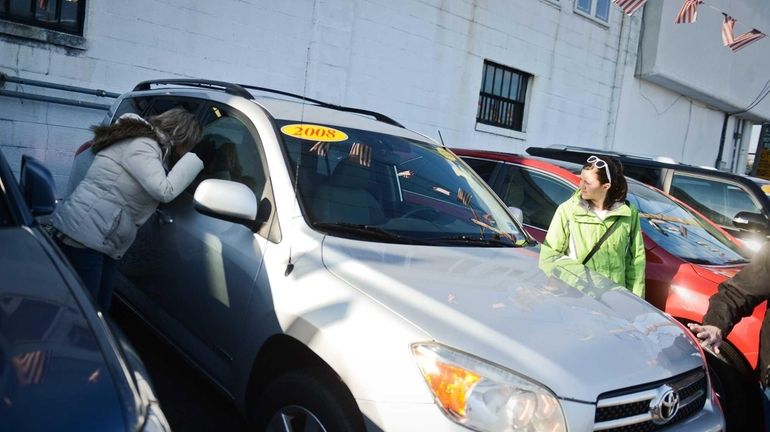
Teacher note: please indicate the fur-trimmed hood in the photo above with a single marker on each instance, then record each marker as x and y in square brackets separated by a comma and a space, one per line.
[128, 126]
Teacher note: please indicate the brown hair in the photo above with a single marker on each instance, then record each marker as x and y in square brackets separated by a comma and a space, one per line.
[172, 128]
[618, 186]
[176, 127]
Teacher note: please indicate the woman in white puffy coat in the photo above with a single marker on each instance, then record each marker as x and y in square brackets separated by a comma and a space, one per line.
[127, 180]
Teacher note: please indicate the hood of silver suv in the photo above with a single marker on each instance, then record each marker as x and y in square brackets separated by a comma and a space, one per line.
[580, 338]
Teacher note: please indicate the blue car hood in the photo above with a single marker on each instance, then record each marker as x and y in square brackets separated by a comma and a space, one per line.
[53, 373]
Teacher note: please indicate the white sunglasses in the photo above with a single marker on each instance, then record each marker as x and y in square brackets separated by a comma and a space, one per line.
[599, 163]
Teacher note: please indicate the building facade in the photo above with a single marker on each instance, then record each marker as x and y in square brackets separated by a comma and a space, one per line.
[492, 74]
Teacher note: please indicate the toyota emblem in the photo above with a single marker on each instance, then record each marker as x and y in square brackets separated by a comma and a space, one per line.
[665, 406]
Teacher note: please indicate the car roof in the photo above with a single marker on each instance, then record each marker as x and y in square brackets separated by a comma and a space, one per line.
[281, 105]
[579, 154]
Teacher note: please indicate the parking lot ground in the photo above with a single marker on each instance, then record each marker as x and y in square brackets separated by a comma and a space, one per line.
[190, 402]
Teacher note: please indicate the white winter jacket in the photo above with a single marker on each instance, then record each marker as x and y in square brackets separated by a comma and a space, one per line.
[121, 190]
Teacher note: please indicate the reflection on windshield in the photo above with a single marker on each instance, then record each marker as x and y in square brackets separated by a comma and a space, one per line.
[387, 188]
[682, 232]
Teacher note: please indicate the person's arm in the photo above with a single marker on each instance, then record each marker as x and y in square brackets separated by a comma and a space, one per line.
[144, 165]
[635, 258]
[737, 298]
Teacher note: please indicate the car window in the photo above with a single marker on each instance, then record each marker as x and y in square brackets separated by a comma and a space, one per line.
[681, 231]
[229, 149]
[650, 176]
[483, 167]
[362, 184]
[535, 193]
[718, 200]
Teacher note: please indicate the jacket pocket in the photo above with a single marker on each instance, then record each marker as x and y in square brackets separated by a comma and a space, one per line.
[121, 229]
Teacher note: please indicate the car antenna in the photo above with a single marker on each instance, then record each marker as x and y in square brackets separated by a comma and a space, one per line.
[441, 138]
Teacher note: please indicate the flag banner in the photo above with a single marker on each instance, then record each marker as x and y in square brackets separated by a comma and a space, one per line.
[688, 13]
[739, 42]
[727, 30]
[630, 6]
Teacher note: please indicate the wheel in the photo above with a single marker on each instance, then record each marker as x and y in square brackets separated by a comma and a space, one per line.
[737, 390]
[308, 400]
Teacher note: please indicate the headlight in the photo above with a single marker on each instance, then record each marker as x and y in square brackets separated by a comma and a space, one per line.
[156, 421]
[485, 397]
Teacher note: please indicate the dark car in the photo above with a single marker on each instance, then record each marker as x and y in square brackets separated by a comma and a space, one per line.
[737, 203]
[62, 367]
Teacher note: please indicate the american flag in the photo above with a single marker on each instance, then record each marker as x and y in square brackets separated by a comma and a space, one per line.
[322, 148]
[737, 43]
[30, 367]
[688, 13]
[463, 197]
[630, 6]
[362, 152]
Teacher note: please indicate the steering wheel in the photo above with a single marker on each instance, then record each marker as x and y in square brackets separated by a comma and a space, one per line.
[430, 213]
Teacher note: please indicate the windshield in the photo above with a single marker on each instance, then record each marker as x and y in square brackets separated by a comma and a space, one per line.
[682, 232]
[372, 186]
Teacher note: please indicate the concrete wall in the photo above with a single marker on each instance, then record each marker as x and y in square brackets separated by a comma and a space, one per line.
[419, 61]
[680, 80]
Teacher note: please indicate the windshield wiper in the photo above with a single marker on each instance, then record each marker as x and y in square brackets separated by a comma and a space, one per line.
[479, 241]
[370, 231]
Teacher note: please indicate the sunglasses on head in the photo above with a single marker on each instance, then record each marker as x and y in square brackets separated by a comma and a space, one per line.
[599, 164]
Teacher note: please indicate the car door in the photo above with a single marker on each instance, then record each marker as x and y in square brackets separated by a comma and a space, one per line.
[718, 199]
[207, 268]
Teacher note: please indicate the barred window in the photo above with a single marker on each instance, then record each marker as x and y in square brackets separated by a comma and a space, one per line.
[503, 93]
[61, 15]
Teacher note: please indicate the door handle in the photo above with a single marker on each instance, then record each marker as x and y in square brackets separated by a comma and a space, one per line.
[164, 218]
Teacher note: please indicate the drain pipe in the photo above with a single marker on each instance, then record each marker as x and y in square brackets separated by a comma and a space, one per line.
[52, 99]
[722, 142]
[16, 80]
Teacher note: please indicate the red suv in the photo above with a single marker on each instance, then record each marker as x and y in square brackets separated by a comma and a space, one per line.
[687, 257]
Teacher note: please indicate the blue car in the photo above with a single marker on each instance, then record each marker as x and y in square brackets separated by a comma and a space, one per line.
[62, 366]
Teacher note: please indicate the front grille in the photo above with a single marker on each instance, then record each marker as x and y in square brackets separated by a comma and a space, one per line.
[630, 410]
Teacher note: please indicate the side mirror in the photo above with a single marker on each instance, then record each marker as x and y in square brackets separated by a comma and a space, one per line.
[37, 186]
[517, 214]
[751, 222]
[230, 201]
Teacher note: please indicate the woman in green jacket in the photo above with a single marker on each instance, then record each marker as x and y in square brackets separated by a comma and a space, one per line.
[580, 223]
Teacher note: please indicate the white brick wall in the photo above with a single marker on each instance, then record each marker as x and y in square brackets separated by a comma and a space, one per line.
[418, 61]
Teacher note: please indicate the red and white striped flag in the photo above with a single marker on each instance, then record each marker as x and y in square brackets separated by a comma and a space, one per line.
[688, 13]
[30, 367]
[630, 6]
[463, 197]
[362, 152]
[740, 42]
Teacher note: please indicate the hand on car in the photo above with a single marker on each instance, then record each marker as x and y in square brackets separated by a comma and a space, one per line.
[710, 336]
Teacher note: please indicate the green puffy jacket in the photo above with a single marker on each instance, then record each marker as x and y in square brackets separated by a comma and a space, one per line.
[621, 257]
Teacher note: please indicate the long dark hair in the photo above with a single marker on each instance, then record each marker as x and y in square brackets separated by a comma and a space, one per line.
[618, 186]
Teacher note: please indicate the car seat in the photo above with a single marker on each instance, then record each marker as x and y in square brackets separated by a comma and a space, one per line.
[345, 198]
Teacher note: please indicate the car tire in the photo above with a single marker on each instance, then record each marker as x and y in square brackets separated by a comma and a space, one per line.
[737, 389]
[308, 399]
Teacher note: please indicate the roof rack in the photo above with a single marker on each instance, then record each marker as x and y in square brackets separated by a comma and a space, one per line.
[240, 90]
[229, 88]
[381, 117]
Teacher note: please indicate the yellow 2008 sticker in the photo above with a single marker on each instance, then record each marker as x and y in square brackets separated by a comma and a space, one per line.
[314, 132]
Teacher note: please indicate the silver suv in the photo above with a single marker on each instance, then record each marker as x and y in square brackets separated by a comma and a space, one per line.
[331, 270]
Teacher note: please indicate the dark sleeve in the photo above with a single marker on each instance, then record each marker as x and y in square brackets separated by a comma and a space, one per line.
[739, 295]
